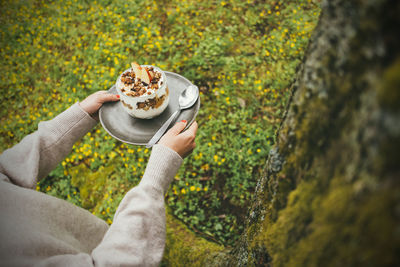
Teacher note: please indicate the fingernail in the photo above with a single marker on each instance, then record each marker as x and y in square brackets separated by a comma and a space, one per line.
[117, 96]
[184, 121]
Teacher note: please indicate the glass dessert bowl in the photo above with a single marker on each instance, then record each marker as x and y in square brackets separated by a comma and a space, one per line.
[143, 91]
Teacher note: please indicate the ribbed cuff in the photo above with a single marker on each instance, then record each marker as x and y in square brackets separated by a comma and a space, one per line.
[161, 168]
[74, 120]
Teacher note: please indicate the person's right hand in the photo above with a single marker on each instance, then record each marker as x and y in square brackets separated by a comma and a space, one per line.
[182, 143]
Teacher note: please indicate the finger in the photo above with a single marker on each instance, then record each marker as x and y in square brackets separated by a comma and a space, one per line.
[178, 127]
[192, 129]
[107, 97]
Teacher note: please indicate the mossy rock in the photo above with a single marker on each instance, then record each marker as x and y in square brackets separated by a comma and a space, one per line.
[334, 198]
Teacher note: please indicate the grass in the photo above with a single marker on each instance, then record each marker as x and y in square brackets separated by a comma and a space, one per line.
[242, 54]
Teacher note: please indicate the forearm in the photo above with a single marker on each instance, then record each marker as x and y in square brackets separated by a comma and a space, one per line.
[137, 235]
[38, 153]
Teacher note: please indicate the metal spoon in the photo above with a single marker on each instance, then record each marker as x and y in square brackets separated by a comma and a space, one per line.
[186, 99]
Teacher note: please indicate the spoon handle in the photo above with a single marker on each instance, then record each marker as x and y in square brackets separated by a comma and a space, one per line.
[162, 129]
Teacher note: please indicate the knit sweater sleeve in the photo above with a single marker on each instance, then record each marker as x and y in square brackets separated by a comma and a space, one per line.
[40, 152]
[137, 235]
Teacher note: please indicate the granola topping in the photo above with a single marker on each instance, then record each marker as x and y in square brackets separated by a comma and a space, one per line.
[134, 86]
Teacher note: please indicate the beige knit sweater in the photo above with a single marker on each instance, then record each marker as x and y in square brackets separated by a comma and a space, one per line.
[40, 230]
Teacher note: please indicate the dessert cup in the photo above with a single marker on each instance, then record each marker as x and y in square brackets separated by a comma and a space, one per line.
[147, 105]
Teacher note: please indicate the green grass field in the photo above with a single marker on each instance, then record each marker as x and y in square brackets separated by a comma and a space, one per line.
[243, 56]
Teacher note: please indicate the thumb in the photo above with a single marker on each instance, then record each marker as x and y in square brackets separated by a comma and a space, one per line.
[107, 97]
[178, 127]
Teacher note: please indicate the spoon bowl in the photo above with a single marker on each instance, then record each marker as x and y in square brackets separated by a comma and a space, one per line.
[188, 97]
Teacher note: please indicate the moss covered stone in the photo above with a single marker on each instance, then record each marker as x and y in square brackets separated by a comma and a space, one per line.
[334, 197]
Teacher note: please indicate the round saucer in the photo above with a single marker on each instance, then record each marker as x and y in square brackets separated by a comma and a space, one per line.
[120, 125]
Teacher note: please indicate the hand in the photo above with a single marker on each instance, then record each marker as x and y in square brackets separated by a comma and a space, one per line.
[92, 103]
[182, 143]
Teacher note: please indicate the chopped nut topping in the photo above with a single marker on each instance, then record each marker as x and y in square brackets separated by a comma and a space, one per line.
[151, 103]
[135, 87]
[128, 78]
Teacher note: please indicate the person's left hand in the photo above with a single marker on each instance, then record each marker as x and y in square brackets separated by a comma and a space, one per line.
[92, 103]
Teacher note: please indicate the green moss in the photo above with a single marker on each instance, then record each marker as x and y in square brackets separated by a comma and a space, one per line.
[184, 248]
[90, 184]
[349, 230]
[389, 100]
[278, 237]
[335, 226]
[389, 91]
